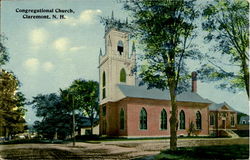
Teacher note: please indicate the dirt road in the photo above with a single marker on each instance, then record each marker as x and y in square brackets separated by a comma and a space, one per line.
[104, 150]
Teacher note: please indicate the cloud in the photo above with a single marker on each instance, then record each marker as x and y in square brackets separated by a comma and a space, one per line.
[48, 66]
[74, 49]
[32, 64]
[85, 17]
[38, 36]
[61, 44]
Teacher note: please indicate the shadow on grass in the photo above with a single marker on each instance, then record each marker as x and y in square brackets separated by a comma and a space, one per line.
[207, 152]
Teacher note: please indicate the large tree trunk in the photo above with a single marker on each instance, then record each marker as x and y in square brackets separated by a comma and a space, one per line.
[173, 118]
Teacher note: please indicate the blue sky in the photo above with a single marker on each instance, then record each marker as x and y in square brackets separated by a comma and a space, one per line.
[49, 54]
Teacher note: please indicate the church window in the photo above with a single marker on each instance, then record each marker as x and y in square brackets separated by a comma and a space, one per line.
[120, 47]
[103, 93]
[122, 120]
[104, 110]
[212, 119]
[103, 85]
[182, 120]
[232, 120]
[198, 120]
[103, 79]
[143, 119]
[163, 119]
[122, 75]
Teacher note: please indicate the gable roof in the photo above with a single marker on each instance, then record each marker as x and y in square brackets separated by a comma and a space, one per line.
[143, 92]
[216, 106]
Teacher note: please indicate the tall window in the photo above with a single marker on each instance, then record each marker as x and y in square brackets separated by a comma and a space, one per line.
[143, 119]
[182, 120]
[163, 119]
[122, 119]
[198, 120]
[120, 47]
[104, 110]
[212, 119]
[103, 85]
[103, 79]
[232, 120]
[122, 75]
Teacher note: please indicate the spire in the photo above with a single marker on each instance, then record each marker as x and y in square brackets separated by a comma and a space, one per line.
[100, 52]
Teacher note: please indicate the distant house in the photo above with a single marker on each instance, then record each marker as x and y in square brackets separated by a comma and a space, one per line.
[243, 126]
[84, 127]
[244, 120]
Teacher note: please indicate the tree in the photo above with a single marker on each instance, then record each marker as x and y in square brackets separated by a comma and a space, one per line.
[165, 29]
[4, 56]
[12, 102]
[11, 105]
[55, 116]
[86, 98]
[227, 24]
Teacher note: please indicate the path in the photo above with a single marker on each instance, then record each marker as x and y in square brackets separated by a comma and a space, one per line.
[104, 150]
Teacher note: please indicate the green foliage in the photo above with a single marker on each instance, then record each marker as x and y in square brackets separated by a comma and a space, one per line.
[227, 24]
[11, 105]
[55, 116]
[84, 95]
[165, 30]
[4, 56]
[56, 110]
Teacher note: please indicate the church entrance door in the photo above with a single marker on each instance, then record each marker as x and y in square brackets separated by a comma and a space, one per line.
[224, 124]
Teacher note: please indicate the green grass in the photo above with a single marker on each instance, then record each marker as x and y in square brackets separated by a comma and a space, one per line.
[207, 152]
[110, 139]
[97, 139]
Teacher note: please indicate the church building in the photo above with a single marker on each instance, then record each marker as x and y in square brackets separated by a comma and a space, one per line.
[129, 110]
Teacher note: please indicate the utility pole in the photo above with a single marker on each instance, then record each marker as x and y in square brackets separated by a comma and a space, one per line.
[73, 131]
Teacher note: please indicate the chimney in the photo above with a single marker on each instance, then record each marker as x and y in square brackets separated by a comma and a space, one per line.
[194, 82]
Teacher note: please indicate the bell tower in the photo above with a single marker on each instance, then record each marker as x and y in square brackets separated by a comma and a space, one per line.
[116, 64]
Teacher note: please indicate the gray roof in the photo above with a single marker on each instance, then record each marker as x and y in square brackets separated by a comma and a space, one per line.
[216, 106]
[143, 92]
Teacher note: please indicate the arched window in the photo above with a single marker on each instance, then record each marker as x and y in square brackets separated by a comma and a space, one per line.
[212, 119]
[122, 119]
[232, 120]
[198, 120]
[143, 119]
[122, 75]
[163, 119]
[103, 85]
[103, 79]
[182, 120]
[120, 47]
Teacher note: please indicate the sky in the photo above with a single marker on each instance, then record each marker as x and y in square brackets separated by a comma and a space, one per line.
[48, 54]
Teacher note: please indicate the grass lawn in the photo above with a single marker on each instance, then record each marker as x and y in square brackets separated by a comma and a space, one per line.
[207, 152]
